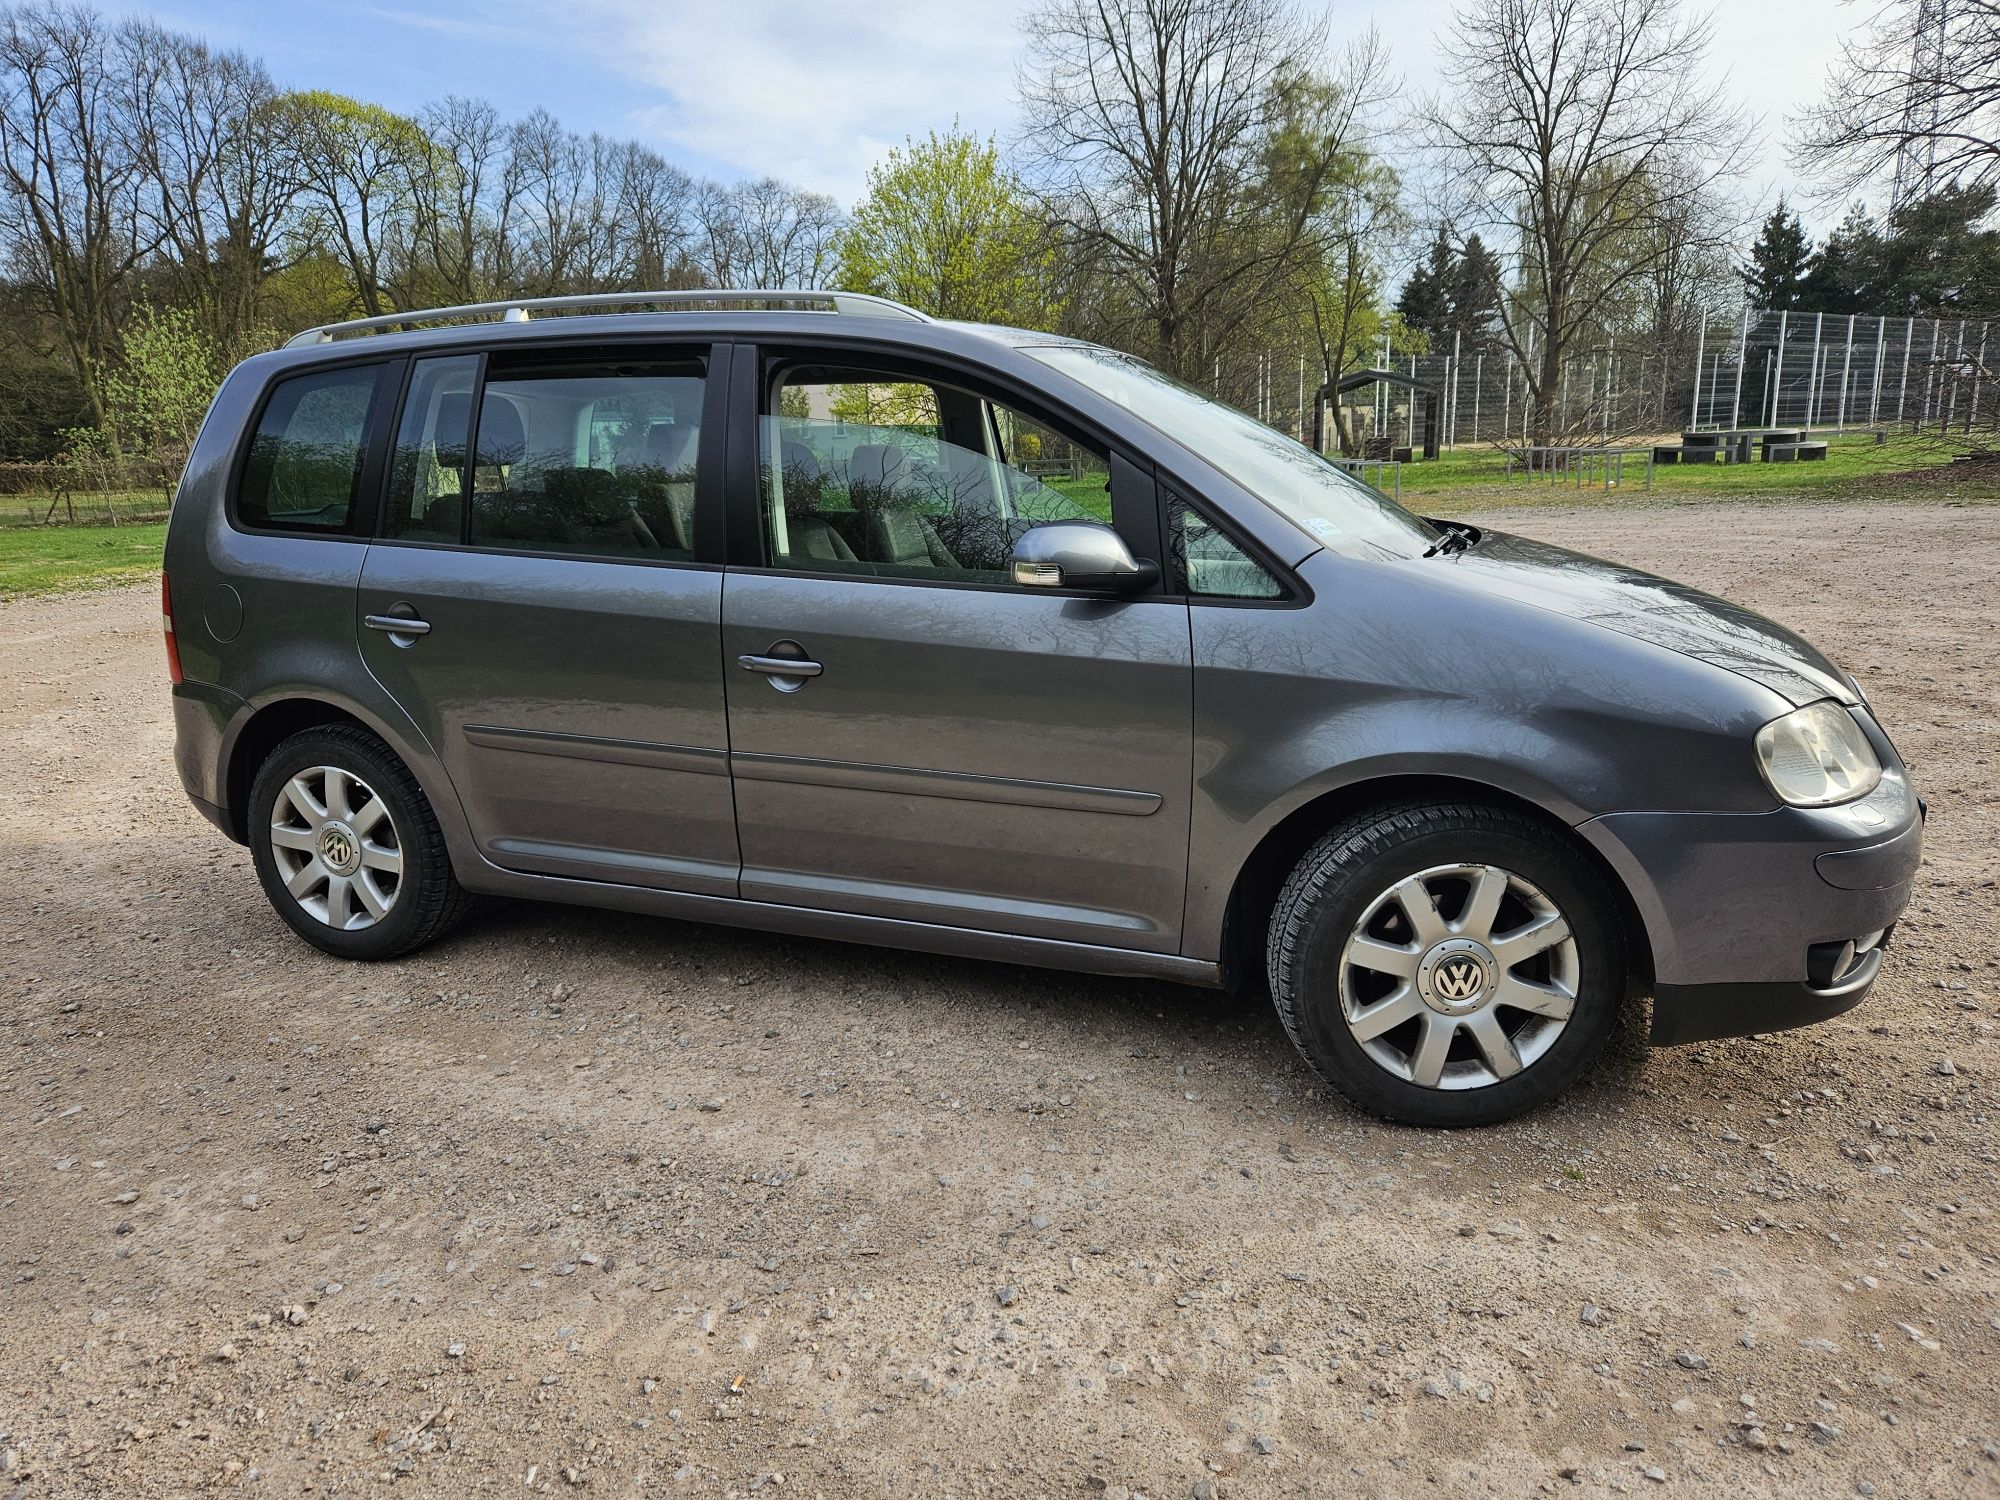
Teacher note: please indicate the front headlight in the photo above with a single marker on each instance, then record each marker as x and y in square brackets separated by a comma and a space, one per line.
[1817, 755]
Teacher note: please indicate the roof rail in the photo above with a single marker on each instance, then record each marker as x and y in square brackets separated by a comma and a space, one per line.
[518, 309]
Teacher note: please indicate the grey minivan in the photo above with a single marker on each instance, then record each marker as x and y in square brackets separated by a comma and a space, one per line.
[809, 613]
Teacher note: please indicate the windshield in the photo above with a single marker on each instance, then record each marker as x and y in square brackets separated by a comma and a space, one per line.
[1344, 514]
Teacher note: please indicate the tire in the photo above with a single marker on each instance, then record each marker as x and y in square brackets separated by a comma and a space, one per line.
[381, 882]
[1358, 899]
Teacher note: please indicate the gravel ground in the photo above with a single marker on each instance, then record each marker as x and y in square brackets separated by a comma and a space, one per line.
[582, 1200]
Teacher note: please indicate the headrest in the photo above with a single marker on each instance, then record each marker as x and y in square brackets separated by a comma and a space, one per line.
[454, 417]
[501, 440]
[801, 465]
[672, 445]
[877, 467]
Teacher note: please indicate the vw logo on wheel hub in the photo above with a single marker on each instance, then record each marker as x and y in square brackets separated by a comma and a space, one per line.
[339, 849]
[1457, 977]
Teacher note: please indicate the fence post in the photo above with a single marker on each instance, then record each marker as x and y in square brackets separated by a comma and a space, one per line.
[1903, 389]
[1700, 348]
[1958, 362]
[1875, 385]
[1610, 374]
[1978, 370]
[1479, 369]
[1457, 365]
[1812, 385]
[1742, 351]
[1930, 377]
[1846, 360]
[1778, 374]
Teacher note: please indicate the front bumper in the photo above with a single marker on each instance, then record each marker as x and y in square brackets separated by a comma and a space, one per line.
[1748, 914]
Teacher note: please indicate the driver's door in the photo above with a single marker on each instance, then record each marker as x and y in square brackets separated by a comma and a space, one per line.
[968, 751]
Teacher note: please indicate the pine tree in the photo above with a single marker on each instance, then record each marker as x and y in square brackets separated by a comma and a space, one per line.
[1425, 301]
[1779, 262]
[1846, 274]
[1474, 296]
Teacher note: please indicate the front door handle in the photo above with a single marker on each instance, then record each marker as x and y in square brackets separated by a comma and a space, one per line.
[780, 666]
[398, 625]
[784, 664]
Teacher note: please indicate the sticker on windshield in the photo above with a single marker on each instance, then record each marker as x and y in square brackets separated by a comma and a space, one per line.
[1320, 526]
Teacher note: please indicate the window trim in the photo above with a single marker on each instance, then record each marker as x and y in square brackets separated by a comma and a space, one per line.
[713, 355]
[383, 403]
[763, 363]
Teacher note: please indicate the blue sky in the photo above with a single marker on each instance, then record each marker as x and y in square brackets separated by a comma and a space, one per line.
[816, 92]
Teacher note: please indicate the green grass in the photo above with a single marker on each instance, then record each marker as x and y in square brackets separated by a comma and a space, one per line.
[1468, 478]
[49, 559]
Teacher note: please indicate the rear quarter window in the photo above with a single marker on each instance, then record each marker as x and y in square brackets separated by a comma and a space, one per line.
[304, 467]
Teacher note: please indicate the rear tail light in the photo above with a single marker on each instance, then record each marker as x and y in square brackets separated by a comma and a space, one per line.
[167, 624]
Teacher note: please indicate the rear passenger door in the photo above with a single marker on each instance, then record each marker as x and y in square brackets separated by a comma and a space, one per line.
[545, 601]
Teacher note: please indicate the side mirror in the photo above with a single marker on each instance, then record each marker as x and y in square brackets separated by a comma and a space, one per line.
[1079, 555]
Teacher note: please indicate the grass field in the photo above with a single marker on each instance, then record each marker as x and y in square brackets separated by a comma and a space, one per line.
[46, 559]
[1467, 478]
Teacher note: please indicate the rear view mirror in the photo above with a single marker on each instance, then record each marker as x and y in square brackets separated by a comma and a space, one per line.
[1079, 555]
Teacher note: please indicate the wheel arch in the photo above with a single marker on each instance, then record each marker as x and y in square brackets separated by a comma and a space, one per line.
[1263, 874]
[269, 726]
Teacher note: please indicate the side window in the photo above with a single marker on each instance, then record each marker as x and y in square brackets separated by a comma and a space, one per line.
[589, 459]
[875, 473]
[305, 457]
[1205, 563]
[427, 471]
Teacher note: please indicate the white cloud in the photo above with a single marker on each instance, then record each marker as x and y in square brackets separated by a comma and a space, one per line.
[811, 93]
[816, 92]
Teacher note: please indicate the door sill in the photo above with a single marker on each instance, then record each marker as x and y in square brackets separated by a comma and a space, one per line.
[846, 927]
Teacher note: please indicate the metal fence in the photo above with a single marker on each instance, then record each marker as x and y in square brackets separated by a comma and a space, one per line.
[1807, 369]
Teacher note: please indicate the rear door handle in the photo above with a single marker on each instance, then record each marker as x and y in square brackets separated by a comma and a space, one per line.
[779, 666]
[397, 624]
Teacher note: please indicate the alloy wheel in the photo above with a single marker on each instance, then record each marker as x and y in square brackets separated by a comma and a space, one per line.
[337, 848]
[1459, 977]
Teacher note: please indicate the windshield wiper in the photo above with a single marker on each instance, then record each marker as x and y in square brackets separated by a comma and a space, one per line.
[1454, 538]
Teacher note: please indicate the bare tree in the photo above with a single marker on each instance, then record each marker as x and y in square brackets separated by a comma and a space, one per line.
[1151, 127]
[1931, 89]
[765, 233]
[1581, 129]
[72, 214]
[219, 181]
[654, 200]
[458, 229]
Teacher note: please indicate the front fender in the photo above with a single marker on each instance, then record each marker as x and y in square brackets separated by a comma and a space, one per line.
[1393, 672]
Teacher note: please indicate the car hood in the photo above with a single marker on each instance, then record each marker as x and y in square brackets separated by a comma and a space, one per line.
[1651, 609]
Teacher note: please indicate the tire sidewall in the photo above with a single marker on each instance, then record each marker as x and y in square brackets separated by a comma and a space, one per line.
[388, 780]
[1312, 969]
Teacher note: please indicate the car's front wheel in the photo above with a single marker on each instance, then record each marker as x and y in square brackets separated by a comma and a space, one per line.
[1446, 964]
[347, 847]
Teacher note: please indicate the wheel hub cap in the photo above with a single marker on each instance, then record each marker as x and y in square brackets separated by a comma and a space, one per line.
[339, 848]
[1457, 977]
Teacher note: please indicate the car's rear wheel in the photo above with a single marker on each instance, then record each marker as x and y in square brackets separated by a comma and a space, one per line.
[347, 847]
[1446, 964]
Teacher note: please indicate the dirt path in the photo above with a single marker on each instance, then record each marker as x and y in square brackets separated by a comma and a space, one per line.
[587, 1200]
